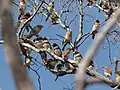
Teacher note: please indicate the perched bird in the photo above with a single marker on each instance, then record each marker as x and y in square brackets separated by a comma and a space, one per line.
[44, 57]
[35, 30]
[108, 13]
[27, 61]
[107, 72]
[118, 78]
[77, 57]
[38, 42]
[95, 28]
[54, 18]
[50, 9]
[104, 4]
[67, 39]
[65, 56]
[57, 50]
[25, 51]
[91, 65]
[25, 17]
[22, 6]
[52, 14]
[53, 64]
[66, 53]
[46, 43]
[91, 2]
[117, 73]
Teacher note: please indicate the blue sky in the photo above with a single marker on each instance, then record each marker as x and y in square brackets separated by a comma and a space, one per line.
[47, 78]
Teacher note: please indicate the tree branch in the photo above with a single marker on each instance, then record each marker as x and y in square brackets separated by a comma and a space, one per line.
[91, 52]
[81, 21]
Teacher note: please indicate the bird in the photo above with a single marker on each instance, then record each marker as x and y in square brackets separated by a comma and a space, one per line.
[38, 42]
[46, 43]
[77, 56]
[67, 39]
[105, 4]
[66, 53]
[36, 30]
[50, 9]
[107, 72]
[91, 65]
[57, 50]
[43, 57]
[118, 78]
[65, 56]
[26, 51]
[54, 18]
[95, 28]
[52, 14]
[54, 65]
[91, 2]
[22, 6]
[117, 71]
[27, 61]
[108, 13]
[25, 17]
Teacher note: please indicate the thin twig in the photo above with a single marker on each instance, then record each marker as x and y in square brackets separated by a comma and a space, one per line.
[39, 83]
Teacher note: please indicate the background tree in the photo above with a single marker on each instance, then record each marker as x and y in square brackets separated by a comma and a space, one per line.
[53, 37]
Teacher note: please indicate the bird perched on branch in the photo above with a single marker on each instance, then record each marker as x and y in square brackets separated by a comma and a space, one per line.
[105, 4]
[65, 56]
[22, 6]
[67, 39]
[95, 28]
[66, 53]
[44, 57]
[25, 51]
[46, 43]
[23, 18]
[91, 2]
[77, 56]
[36, 30]
[107, 72]
[117, 73]
[38, 42]
[108, 13]
[54, 65]
[52, 14]
[91, 65]
[50, 9]
[27, 61]
[57, 50]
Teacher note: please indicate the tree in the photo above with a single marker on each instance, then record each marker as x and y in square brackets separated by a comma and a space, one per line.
[61, 53]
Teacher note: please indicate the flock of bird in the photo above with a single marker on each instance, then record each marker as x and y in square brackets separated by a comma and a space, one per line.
[56, 66]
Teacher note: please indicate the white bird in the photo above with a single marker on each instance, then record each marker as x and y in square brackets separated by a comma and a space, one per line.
[95, 28]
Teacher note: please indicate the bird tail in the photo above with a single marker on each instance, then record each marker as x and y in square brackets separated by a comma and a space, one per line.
[93, 35]
[56, 78]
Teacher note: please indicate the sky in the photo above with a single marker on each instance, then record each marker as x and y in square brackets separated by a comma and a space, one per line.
[66, 82]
